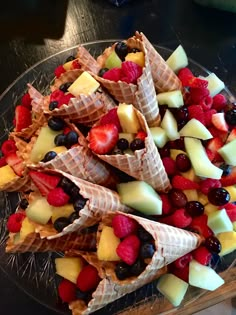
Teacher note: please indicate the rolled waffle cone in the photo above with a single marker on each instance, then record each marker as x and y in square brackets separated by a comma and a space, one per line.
[36, 97]
[33, 243]
[144, 164]
[163, 76]
[87, 62]
[100, 200]
[142, 95]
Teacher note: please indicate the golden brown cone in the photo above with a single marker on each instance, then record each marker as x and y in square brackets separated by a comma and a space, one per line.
[87, 62]
[144, 164]
[163, 76]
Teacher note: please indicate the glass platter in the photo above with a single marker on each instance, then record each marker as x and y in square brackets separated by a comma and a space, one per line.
[34, 273]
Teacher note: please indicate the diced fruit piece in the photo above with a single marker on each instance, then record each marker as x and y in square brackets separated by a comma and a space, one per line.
[16, 163]
[14, 222]
[159, 136]
[166, 205]
[202, 255]
[232, 135]
[107, 245]
[67, 291]
[27, 227]
[194, 128]
[199, 224]
[219, 122]
[202, 198]
[23, 117]
[60, 149]
[113, 61]
[180, 219]
[131, 71]
[57, 197]
[227, 241]
[39, 211]
[208, 183]
[68, 65]
[199, 159]
[196, 111]
[219, 221]
[137, 57]
[128, 118]
[59, 70]
[43, 144]
[229, 179]
[181, 182]
[128, 136]
[85, 84]
[140, 196]
[172, 287]
[203, 277]
[181, 273]
[231, 211]
[228, 152]
[178, 59]
[113, 74]
[183, 261]
[128, 249]
[44, 182]
[88, 278]
[69, 267]
[6, 175]
[174, 99]
[215, 85]
[124, 226]
[191, 194]
[175, 152]
[102, 139]
[111, 117]
[209, 208]
[212, 148]
[190, 174]
[8, 146]
[64, 211]
[169, 124]
[169, 165]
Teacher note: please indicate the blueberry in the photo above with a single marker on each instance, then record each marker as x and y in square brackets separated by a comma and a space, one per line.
[71, 138]
[50, 155]
[79, 203]
[74, 215]
[55, 123]
[147, 250]
[137, 144]
[66, 185]
[121, 49]
[143, 235]
[64, 87]
[230, 117]
[138, 267]
[74, 193]
[122, 144]
[226, 169]
[61, 223]
[80, 295]
[53, 105]
[102, 71]
[23, 203]
[122, 271]
[60, 140]
[70, 58]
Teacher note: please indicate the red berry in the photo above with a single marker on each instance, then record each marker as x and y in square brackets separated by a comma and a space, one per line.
[124, 226]
[197, 83]
[23, 117]
[207, 184]
[183, 261]
[182, 273]
[44, 182]
[64, 99]
[219, 102]
[208, 117]
[166, 205]
[218, 120]
[141, 135]
[169, 165]
[76, 64]
[8, 146]
[111, 118]
[26, 100]
[198, 94]
[131, 71]
[57, 197]
[3, 161]
[88, 278]
[14, 222]
[180, 218]
[113, 74]
[180, 182]
[59, 70]
[202, 255]
[16, 163]
[231, 211]
[128, 249]
[196, 111]
[67, 291]
[199, 225]
[185, 74]
[206, 103]
[56, 96]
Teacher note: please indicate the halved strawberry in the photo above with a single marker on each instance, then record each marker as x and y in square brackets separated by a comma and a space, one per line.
[16, 163]
[199, 225]
[216, 133]
[232, 135]
[202, 255]
[23, 117]
[141, 135]
[230, 208]
[111, 117]
[8, 146]
[26, 100]
[213, 146]
[230, 179]
[44, 182]
[218, 120]
[102, 139]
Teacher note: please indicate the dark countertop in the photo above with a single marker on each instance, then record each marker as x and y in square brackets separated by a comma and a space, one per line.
[42, 28]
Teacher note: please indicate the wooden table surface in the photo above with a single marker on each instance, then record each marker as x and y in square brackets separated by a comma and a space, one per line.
[33, 30]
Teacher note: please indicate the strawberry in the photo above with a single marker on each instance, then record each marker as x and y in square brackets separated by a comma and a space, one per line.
[196, 111]
[218, 120]
[113, 74]
[102, 139]
[232, 135]
[111, 118]
[183, 261]
[216, 133]
[16, 163]
[8, 147]
[202, 255]
[128, 249]
[206, 103]
[88, 278]
[199, 225]
[169, 165]
[57, 197]
[219, 102]
[166, 205]
[207, 184]
[231, 211]
[214, 145]
[124, 226]
[76, 64]
[59, 70]
[14, 222]
[230, 179]
[208, 117]
[67, 291]
[26, 100]
[130, 72]
[44, 182]
[182, 273]
[180, 218]
[198, 94]
[3, 161]
[181, 182]
[141, 135]
[23, 117]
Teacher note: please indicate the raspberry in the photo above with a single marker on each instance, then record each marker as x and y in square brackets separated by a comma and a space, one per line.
[128, 249]
[76, 64]
[202, 255]
[26, 100]
[141, 135]
[185, 74]
[207, 184]
[67, 291]
[180, 218]
[65, 99]
[14, 222]
[181, 182]
[183, 261]
[206, 103]
[198, 94]
[169, 165]
[111, 118]
[59, 70]
[8, 147]
[88, 278]
[198, 83]
[124, 226]
[166, 205]
[219, 102]
[56, 96]
[196, 111]
[3, 161]
[182, 273]
[57, 197]
[130, 72]
[113, 74]
[208, 117]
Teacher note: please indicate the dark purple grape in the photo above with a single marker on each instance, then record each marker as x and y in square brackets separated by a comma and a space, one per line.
[181, 114]
[183, 162]
[230, 117]
[102, 71]
[50, 155]
[55, 123]
[194, 208]
[177, 198]
[122, 271]
[218, 196]
[213, 244]
[61, 223]
[147, 250]
[122, 144]
[121, 50]
[138, 267]
[164, 152]
[53, 105]
[60, 140]
[163, 109]
[64, 87]
[71, 138]
[23, 203]
[137, 144]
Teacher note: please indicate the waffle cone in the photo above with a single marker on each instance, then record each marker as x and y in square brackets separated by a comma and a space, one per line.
[36, 97]
[86, 60]
[163, 76]
[145, 164]
[33, 243]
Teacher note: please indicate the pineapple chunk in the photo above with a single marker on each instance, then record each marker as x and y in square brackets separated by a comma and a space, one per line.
[64, 211]
[60, 149]
[6, 175]
[69, 267]
[128, 118]
[85, 84]
[191, 194]
[175, 152]
[27, 227]
[107, 245]
[137, 58]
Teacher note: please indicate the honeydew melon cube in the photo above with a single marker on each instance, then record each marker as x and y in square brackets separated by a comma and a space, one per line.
[215, 85]
[169, 123]
[219, 221]
[113, 61]
[228, 152]
[39, 211]
[178, 59]
[172, 287]
[227, 241]
[173, 99]
[140, 196]
[194, 128]
[159, 136]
